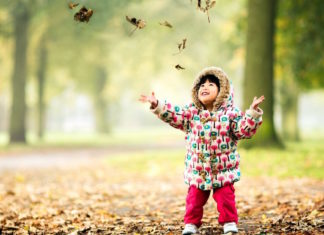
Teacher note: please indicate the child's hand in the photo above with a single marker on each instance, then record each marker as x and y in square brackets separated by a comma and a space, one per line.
[151, 99]
[256, 102]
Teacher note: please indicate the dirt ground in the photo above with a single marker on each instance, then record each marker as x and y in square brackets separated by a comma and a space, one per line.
[90, 197]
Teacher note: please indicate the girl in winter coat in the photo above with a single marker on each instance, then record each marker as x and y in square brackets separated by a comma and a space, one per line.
[213, 125]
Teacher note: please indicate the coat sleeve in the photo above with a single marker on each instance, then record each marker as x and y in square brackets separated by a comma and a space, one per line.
[244, 125]
[177, 117]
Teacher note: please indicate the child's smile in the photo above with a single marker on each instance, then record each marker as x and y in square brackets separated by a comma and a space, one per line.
[204, 93]
[207, 93]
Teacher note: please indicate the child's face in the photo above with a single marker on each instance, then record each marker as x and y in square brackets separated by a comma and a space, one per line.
[207, 93]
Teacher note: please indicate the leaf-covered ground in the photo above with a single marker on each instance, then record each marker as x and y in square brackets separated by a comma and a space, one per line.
[101, 198]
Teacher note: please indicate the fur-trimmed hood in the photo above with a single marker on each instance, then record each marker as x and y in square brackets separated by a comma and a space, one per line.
[224, 97]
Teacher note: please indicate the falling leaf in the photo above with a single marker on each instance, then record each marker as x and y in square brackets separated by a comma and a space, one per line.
[207, 6]
[165, 23]
[73, 5]
[181, 46]
[136, 22]
[212, 4]
[179, 67]
[83, 15]
[184, 43]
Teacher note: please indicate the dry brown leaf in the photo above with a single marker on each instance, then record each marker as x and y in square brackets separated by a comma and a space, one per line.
[178, 67]
[212, 4]
[184, 43]
[136, 22]
[83, 15]
[181, 46]
[165, 23]
[207, 6]
[92, 203]
[73, 5]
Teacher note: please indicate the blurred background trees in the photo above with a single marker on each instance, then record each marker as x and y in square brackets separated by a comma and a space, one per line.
[259, 65]
[62, 76]
[300, 65]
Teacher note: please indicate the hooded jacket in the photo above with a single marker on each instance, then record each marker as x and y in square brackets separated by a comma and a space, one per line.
[212, 159]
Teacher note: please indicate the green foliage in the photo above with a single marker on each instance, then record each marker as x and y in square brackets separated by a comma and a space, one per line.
[300, 41]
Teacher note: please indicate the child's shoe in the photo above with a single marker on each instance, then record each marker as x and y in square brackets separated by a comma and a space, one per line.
[190, 229]
[230, 227]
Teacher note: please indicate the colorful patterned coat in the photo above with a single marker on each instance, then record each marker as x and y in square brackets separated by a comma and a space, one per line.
[212, 159]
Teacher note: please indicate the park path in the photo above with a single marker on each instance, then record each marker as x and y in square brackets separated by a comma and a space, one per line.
[70, 157]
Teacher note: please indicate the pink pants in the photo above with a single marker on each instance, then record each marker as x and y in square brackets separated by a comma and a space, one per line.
[197, 198]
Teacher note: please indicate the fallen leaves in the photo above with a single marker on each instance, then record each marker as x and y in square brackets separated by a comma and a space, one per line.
[97, 202]
[286, 210]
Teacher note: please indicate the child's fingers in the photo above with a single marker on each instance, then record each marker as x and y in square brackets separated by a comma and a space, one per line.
[150, 99]
[261, 99]
[143, 98]
[257, 101]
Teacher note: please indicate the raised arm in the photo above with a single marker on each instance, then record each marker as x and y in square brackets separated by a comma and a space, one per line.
[244, 125]
[176, 116]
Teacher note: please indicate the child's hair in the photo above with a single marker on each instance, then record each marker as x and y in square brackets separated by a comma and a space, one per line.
[210, 78]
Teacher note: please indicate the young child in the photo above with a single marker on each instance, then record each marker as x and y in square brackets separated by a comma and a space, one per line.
[213, 125]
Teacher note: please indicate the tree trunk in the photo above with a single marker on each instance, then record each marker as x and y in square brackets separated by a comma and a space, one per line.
[289, 110]
[258, 77]
[17, 130]
[99, 100]
[41, 85]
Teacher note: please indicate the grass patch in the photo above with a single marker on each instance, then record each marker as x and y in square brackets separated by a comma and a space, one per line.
[150, 162]
[296, 160]
[303, 159]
